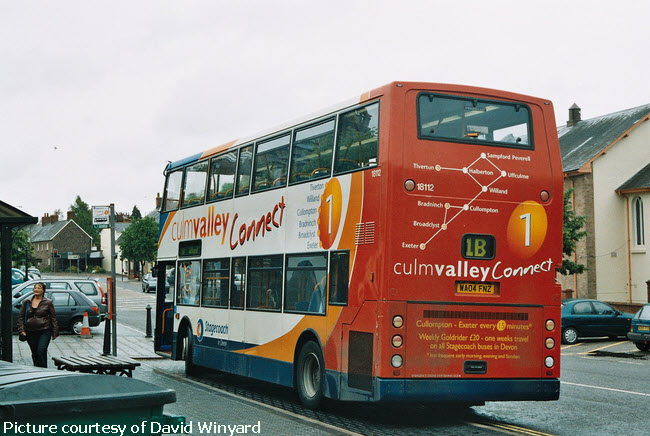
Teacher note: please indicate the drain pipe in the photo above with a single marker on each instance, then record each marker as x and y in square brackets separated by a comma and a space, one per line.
[629, 248]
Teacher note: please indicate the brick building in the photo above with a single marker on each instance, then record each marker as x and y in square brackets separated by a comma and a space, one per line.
[72, 244]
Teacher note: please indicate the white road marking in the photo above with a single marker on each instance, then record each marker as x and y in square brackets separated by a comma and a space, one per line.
[606, 389]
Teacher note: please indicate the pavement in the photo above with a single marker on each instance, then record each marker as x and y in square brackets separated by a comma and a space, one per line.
[200, 404]
[130, 343]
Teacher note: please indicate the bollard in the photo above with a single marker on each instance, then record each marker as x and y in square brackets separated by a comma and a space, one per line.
[107, 337]
[148, 329]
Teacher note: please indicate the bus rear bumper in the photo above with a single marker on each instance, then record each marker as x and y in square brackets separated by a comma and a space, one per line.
[467, 391]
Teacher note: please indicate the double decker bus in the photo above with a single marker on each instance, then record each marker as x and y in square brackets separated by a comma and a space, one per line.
[398, 246]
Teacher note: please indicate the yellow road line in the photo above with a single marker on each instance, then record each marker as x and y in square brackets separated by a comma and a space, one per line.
[508, 428]
[598, 349]
[522, 430]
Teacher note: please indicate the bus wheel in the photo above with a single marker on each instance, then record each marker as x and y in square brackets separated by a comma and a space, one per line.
[186, 352]
[310, 376]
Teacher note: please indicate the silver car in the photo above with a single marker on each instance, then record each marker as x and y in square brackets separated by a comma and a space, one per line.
[89, 287]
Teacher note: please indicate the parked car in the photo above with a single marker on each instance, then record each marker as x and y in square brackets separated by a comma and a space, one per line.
[69, 305]
[149, 283]
[89, 287]
[17, 277]
[592, 318]
[33, 272]
[640, 329]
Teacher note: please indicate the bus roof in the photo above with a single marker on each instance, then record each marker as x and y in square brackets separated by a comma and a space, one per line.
[365, 97]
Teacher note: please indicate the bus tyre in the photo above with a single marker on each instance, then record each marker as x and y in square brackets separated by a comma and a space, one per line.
[190, 367]
[569, 335]
[310, 375]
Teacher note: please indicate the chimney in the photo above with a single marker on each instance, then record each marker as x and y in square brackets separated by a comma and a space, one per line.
[70, 215]
[45, 219]
[574, 115]
[158, 201]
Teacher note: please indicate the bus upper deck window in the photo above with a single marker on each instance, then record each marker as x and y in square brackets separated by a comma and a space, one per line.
[222, 176]
[244, 170]
[271, 164]
[194, 184]
[357, 139]
[173, 190]
[474, 121]
[312, 152]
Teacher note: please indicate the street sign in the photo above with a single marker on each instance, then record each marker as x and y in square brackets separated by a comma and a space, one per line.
[101, 217]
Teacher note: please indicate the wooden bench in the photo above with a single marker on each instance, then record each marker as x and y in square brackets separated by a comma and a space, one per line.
[110, 365]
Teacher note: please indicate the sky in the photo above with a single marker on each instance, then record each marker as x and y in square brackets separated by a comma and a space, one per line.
[97, 96]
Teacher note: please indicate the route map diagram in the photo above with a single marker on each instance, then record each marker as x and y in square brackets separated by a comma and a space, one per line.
[460, 209]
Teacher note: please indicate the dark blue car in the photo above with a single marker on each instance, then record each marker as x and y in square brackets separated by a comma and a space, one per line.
[592, 318]
[640, 329]
[17, 277]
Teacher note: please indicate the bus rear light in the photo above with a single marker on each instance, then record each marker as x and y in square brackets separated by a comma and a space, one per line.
[409, 185]
[550, 325]
[550, 343]
[398, 321]
[549, 362]
[396, 361]
[544, 196]
[397, 341]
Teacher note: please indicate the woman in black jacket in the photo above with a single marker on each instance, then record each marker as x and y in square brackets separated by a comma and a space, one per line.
[37, 322]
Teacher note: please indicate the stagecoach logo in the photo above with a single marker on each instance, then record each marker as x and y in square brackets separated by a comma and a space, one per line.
[199, 330]
[209, 329]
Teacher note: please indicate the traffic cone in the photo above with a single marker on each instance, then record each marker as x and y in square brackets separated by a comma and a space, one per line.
[85, 328]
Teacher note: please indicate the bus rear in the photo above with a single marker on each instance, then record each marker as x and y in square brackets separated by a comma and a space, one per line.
[471, 311]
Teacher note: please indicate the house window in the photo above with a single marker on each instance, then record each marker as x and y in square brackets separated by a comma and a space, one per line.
[638, 222]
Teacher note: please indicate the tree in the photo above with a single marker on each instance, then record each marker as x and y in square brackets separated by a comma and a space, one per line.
[571, 234]
[139, 242]
[20, 245]
[84, 217]
[122, 217]
[135, 213]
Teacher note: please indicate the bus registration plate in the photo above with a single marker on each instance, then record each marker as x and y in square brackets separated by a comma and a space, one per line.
[475, 288]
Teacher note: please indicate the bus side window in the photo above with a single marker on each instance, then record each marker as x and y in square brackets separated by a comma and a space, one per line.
[238, 283]
[264, 284]
[216, 281]
[357, 139]
[173, 190]
[244, 170]
[189, 282]
[194, 184]
[271, 163]
[312, 152]
[305, 289]
[339, 277]
[222, 176]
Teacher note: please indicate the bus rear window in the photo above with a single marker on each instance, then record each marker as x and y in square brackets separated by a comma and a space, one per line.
[474, 121]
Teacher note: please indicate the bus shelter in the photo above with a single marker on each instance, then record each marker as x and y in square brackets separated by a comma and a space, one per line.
[10, 217]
